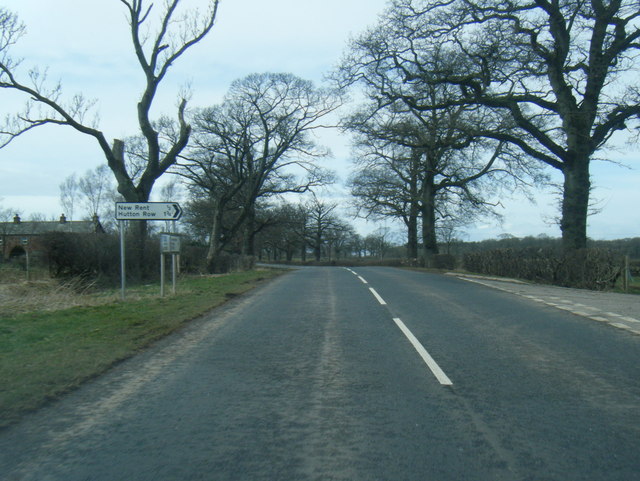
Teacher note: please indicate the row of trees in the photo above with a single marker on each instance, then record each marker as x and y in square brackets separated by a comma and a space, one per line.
[461, 94]
[310, 230]
[254, 146]
[463, 101]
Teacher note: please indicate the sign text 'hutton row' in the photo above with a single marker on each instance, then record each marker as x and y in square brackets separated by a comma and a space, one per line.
[148, 211]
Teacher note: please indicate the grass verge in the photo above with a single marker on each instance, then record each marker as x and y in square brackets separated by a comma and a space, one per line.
[44, 354]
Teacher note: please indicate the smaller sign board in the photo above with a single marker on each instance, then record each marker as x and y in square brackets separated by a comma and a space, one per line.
[169, 243]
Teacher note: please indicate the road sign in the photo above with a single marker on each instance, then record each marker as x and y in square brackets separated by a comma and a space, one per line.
[142, 211]
[169, 244]
[148, 211]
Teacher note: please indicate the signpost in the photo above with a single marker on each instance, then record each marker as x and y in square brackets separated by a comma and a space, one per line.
[145, 211]
[25, 242]
[169, 244]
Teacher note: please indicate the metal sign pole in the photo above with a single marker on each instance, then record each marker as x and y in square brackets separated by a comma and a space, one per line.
[122, 264]
[26, 251]
[173, 272]
[162, 274]
[173, 262]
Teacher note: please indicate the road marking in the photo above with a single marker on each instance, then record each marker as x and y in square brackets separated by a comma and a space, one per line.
[565, 308]
[576, 308]
[426, 357]
[377, 296]
[621, 326]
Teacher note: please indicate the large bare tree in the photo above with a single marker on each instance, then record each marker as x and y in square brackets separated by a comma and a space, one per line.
[258, 143]
[160, 33]
[420, 149]
[564, 71]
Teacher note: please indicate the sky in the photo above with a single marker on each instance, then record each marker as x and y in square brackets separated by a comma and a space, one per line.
[85, 46]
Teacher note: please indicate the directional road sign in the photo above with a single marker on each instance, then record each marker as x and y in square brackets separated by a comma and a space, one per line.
[148, 211]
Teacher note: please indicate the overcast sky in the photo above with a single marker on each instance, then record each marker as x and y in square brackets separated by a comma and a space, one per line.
[85, 45]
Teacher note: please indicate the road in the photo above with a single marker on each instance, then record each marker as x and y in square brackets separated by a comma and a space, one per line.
[314, 377]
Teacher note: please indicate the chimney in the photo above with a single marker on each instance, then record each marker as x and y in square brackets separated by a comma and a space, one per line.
[63, 219]
[16, 219]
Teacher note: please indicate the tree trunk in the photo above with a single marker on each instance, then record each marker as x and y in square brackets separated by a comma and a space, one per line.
[317, 248]
[248, 245]
[214, 239]
[412, 233]
[303, 247]
[575, 204]
[428, 210]
[137, 255]
[414, 212]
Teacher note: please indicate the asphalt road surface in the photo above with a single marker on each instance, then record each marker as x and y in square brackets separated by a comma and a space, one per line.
[363, 374]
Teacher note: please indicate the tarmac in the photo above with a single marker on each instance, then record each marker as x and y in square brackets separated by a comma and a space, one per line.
[621, 311]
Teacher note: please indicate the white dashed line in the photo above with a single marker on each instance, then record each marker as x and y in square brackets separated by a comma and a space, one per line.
[377, 296]
[426, 357]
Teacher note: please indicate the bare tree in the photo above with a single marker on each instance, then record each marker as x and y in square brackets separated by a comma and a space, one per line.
[214, 185]
[258, 143]
[94, 187]
[69, 195]
[156, 50]
[417, 161]
[6, 213]
[565, 72]
[10, 32]
[321, 221]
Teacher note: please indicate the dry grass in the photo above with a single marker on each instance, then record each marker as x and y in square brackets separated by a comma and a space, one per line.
[17, 295]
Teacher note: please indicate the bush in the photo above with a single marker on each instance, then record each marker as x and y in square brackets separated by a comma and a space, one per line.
[586, 268]
[95, 256]
[596, 269]
[226, 262]
[193, 259]
[82, 255]
[442, 261]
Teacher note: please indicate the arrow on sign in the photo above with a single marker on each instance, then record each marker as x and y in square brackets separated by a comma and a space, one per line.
[148, 211]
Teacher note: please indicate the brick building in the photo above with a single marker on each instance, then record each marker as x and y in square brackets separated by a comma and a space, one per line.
[17, 237]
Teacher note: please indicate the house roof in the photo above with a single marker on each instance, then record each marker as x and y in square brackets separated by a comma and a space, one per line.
[31, 228]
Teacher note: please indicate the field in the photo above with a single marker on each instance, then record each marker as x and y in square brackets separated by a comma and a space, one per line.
[53, 336]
